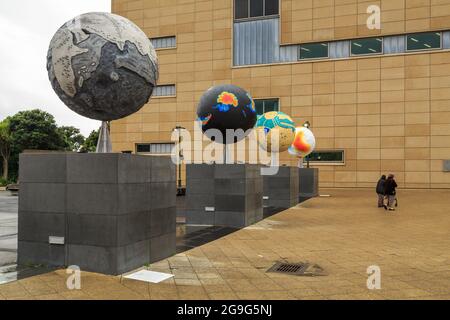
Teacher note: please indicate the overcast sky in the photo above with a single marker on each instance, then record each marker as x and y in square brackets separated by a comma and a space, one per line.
[27, 27]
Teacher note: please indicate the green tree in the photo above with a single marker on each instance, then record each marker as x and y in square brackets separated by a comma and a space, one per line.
[5, 146]
[33, 129]
[90, 144]
[72, 138]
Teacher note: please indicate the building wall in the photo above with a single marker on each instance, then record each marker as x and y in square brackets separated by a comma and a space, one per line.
[389, 113]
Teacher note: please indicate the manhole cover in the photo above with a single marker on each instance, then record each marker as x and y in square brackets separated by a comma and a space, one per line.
[298, 269]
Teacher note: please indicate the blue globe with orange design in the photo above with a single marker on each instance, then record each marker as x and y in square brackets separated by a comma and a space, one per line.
[226, 107]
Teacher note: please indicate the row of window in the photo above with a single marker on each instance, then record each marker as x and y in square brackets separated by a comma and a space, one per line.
[164, 42]
[368, 46]
[245, 9]
[319, 156]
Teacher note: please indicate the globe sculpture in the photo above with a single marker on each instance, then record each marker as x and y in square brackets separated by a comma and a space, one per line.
[275, 122]
[303, 144]
[226, 107]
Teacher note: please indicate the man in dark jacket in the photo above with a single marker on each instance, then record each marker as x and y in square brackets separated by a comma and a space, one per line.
[390, 192]
[380, 191]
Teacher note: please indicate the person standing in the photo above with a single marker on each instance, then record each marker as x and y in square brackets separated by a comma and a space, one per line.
[380, 191]
[389, 190]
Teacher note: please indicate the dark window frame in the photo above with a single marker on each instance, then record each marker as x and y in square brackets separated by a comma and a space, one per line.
[337, 162]
[299, 58]
[366, 54]
[441, 39]
[249, 18]
[264, 100]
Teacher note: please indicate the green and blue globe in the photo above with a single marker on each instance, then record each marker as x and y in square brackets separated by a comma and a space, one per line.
[275, 122]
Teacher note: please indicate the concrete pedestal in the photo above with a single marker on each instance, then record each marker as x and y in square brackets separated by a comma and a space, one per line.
[280, 190]
[108, 213]
[223, 194]
[308, 183]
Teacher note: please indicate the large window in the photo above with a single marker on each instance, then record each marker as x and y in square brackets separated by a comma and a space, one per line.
[266, 105]
[154, 148]
[367, 46]
[423, 41]
[245, 9]
[313, 51]
[326, 157]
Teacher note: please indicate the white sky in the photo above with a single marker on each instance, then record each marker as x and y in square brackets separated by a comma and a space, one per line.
[26, 28]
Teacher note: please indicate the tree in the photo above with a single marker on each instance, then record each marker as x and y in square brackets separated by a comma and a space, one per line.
[5, 145]
[90, 144]
[72, 138]
[33, 129]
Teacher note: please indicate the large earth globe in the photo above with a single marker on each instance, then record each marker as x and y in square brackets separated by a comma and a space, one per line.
[102, 66]
[275, 123]
[226, 107]
[303, 144]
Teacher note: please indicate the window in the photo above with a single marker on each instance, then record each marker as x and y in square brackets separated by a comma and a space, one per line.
[164, 42]
[313, 51]
[332, 157]
[266, 105]
[423, 41]
[244, 9]
[166, 90]
[366, 46]
[155, 148]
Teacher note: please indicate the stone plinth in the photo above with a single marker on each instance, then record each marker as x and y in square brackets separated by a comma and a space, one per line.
[223, 194]
[107, 213]
[308, 183]
[280, 190]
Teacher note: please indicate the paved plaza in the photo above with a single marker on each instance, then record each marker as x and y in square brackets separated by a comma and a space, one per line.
[344, 234]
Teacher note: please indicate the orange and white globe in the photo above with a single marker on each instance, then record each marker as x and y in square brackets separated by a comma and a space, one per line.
[303, 144]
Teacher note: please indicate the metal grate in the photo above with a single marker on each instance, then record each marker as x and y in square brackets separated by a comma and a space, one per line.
[299, 269]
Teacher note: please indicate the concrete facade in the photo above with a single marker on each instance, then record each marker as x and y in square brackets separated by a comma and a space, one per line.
[111, 212]
[388, 112]
[224, 194]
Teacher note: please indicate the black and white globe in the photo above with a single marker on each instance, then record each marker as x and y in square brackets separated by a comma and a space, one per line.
[102, 66]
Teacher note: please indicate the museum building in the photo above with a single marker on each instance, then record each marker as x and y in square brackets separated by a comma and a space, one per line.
[377, 100]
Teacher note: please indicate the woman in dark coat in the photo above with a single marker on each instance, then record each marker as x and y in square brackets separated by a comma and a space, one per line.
[380, 191]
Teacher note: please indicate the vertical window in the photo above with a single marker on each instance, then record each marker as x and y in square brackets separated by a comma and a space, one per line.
[266, 105]
[244, 9]
[367, 46]
[423, 41]
[313, 51]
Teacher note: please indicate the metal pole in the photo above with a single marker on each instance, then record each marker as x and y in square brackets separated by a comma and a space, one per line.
[179, 158]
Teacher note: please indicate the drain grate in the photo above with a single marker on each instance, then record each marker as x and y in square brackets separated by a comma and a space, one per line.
[298, 269]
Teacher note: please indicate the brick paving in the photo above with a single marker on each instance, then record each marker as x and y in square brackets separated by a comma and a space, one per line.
[344, 234]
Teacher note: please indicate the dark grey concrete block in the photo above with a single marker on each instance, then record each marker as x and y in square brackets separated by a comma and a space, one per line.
[93, 258]
[230, 219]
[31, 252]
[231, 186]
[201, 186]
[133, 227]
[281, 189]
[33, 167]
[132, 256]
[92, 168]
[134, 168]
[40, 226]
[228, 202]
[162, 195]
[162, 247]
[162, 169]
[200, 171]
[199, 201]
[92, 229]
[200, 217]
[42, 197]
[308, 183]
[230, 171]
[135, 197]
[92, 198]
[162, 221]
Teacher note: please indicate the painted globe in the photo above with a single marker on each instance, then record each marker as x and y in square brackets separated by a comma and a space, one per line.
[275, 122]
[102, 66]
[304, 142]
[226, 107]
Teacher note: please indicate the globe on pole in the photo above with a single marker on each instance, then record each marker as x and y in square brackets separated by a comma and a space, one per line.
[226, 107]
[303, 144]
[102, 66]
[275, 123]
